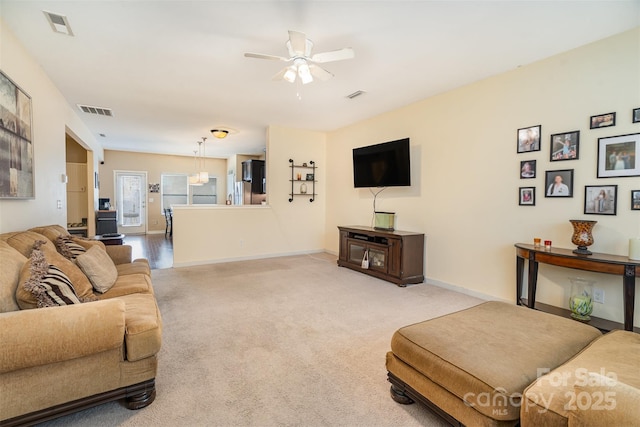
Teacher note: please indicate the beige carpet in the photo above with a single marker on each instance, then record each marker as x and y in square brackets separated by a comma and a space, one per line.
[294, 341]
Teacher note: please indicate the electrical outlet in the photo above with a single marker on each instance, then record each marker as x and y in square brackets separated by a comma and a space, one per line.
[242, 243]
[598, 295]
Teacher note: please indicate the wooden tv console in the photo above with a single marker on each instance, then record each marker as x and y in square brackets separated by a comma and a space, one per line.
[395, 256]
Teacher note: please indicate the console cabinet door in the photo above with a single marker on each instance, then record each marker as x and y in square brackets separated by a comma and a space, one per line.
[395, 257]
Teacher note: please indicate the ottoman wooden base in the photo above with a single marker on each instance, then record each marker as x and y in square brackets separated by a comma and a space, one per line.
[474, 364]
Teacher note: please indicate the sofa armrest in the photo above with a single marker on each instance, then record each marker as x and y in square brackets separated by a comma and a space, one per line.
[48, 335]
[120, 254]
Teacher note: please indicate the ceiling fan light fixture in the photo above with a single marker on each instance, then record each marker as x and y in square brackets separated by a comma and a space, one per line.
[290, 74]
[220, 133]
[305, 73]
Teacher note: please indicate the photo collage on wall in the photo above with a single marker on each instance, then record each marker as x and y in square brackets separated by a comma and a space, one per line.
[617, 157]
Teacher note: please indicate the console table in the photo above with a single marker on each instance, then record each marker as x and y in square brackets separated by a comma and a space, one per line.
[395, 256]
[598, 262]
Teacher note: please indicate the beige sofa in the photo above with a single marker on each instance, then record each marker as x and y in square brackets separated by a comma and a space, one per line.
[61, 359]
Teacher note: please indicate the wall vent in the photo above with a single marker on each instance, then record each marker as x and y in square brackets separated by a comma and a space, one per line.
[100, 111]
[59, 23]
[356, 94]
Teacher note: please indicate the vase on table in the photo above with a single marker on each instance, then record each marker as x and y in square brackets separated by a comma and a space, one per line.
[581, 298]
[582, 235]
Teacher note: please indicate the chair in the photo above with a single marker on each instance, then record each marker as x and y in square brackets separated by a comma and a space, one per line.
[168, 217]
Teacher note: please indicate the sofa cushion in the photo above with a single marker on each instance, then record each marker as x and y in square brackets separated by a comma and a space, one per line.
[48, 284]
[127, 285]
[99, 268]
[51, 232]
[11, 262]
[80, 282]
[68, 248]
[139, 266]
[87, 243]
[143, 335]
[23, 241]
[615, 355]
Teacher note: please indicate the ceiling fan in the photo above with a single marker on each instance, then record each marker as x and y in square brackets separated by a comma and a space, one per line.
[303, 63]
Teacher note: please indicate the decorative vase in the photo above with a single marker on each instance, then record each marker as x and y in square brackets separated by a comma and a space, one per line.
[581, 299]
[582, 235]
[303, 188]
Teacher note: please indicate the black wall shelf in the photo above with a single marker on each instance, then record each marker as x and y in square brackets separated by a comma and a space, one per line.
[311, 166]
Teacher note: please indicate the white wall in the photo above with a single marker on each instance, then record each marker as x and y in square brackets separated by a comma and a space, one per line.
[215, 234]
[465, 168]
[52, 117]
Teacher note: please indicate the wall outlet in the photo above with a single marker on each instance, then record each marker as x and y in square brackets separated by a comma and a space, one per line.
[598, 295]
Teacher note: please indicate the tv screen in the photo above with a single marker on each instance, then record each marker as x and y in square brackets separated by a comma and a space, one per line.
[382, 165]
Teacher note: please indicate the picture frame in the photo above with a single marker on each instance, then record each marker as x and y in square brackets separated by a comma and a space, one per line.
[602, 120]
[635, 200]
[16, 142]
[310, 177]
[528, 139]
[527, 169]
[600, 199]
[558, 183]
[618, 156]
[527, 196]
[635, 115]
[564, 146]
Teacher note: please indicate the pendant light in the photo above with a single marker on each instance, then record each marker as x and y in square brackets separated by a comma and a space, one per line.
[201, 177]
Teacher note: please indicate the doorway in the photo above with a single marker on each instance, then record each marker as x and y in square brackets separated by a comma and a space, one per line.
[131, 201]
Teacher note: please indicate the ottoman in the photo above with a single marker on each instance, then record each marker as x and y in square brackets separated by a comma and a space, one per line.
[473, 366]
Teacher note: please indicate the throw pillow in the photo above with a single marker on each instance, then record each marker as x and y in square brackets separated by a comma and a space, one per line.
[99, 268]
[50, 286]
[68, 248]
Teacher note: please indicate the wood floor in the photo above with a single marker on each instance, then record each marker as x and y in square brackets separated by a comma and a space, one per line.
[157, 248]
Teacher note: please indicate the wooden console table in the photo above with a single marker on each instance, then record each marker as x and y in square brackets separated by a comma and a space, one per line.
[598, 262]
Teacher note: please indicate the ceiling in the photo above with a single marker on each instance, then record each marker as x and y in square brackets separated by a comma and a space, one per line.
[173, 70]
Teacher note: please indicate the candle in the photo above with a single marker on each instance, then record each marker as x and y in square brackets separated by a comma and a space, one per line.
[547, 244]
[634, 249]
[536, 242]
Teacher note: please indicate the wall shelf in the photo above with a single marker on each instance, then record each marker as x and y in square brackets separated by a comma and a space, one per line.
[310, 167]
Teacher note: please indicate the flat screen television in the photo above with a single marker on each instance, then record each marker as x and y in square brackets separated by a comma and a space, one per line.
[382, 165]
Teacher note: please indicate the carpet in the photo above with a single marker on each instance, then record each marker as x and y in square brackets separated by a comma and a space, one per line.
[291, 341]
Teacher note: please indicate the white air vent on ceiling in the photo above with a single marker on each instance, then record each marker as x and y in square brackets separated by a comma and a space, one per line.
[100, 111]
[356, 94]
[59, 23]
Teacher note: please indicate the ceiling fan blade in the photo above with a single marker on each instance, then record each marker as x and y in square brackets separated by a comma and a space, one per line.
[297, 43]
[334, 55]
[320, 73]
[262, 56]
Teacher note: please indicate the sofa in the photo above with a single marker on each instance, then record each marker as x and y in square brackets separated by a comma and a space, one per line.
[501, 365]
[79, 326]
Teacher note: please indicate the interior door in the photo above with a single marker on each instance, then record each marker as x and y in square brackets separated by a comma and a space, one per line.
[131, 201]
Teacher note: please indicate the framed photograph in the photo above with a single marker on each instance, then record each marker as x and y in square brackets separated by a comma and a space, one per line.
[635, 200]
[602, 121]
[529, 139]
[310, 177]
[618, 156]
[558, 183]
[527, 169]
[565, 146]
[16, 142]
[600, 199]
[527, 196]
[636, 115]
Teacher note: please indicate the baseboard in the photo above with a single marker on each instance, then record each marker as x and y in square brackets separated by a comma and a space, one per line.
[465, 291]
[156, 232]
[246, 258]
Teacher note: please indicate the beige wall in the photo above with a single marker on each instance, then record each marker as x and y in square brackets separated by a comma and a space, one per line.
[465, 170]
[52, 119]
[155, 165]
[204, 235]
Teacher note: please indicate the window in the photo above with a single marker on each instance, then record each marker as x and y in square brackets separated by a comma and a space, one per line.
[176, 190]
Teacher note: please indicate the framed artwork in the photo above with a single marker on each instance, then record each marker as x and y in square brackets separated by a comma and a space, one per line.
[636, 115]
[310, 177]
[618, 156]
[600, 199]
[565, 146]
[558, 183]
[527, 169]
[527, 196]
[635, 200]
[16, 142]
[602, 121]
[529, 139]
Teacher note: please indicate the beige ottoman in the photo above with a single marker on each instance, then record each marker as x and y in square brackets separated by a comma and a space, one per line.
[472, 366]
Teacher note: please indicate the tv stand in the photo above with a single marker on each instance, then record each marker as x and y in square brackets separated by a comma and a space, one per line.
[395, 256]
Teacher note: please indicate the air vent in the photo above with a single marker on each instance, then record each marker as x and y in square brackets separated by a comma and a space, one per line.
[100, 111]
[59, 23]
[356, 94]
